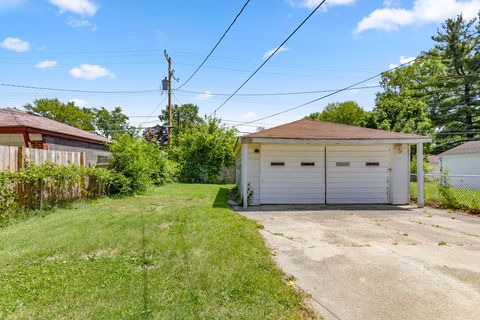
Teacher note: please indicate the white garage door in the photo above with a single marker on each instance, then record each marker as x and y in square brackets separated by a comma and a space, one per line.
[292, 174]
[358, 174]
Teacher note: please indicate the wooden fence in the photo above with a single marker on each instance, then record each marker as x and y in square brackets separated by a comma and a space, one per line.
[15, 158]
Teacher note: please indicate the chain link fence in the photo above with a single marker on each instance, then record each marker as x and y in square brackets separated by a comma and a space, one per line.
[450, 191]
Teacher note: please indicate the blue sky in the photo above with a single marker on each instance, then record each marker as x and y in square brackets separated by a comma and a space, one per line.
[107, 45]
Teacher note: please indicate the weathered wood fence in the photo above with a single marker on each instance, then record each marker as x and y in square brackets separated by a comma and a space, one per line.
[15, 158]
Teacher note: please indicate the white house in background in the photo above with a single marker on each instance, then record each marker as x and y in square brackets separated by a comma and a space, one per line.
[315, 162]
[434, 164]
[460, 161]
[464, 159]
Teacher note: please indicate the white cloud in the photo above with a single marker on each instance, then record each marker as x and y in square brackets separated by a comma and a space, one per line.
[15, 44]
[90, 72]
[403, 60]
[79, 102]
[80, 7]
[310, 4]
[270, 52]
[250, 115]
[423, 12]
[205, 96]
[47, 64]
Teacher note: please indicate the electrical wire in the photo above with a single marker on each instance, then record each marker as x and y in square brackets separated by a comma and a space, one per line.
[259, 94]
[349, 87]
[154, 110]
[75, 90]
[273, 53]
[216, 45]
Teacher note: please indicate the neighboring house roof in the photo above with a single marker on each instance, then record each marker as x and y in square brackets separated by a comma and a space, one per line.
[433, 159]
[13, 119]
[321, 130]
[466, 148]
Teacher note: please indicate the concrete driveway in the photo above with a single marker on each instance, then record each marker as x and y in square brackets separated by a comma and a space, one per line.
[380, 262]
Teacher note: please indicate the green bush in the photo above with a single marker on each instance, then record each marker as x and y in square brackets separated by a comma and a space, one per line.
[139, 164]
[49, 185]
[203, 150]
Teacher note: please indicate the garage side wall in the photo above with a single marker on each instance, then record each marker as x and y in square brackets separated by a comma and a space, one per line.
[400, 174]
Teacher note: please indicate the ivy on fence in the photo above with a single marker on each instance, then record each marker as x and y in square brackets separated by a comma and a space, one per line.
[49, 185]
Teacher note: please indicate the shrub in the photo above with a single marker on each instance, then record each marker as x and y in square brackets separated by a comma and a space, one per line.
[139, 164]
[203, 150]
[49, 185]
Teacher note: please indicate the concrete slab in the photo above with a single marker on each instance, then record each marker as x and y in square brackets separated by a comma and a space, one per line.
[378, 262]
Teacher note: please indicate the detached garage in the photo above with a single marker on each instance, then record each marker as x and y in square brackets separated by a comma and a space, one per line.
[315, 162]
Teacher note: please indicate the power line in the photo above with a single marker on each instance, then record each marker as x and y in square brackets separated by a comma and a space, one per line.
[154, 110]
[216, 45]
[274, 52]
[339, 90]
[74, 90]
[257, 94]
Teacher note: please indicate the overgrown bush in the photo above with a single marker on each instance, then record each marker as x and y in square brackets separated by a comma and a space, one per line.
[203, 150]
[49, 185]
[139, 164]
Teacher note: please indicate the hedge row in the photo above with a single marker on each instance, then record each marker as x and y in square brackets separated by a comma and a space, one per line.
[49, 185]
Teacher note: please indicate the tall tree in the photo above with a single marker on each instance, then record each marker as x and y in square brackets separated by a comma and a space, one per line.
[402, 105]
[111, 123]
[67, 113]
[458, 109]
[348, 112]
[184, 117]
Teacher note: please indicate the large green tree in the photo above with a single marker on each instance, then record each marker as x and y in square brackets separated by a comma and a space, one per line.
[348, 112]
[67, 113]
[107, 123]
[184, 117]
[456, 110]
[111, 123]
[402, 105]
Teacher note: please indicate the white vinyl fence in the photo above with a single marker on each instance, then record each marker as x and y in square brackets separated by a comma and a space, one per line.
[14, 158]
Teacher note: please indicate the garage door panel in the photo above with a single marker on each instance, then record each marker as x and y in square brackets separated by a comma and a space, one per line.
[356, 182]
[292, 183]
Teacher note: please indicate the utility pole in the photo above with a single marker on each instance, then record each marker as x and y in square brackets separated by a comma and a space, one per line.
[170, 75]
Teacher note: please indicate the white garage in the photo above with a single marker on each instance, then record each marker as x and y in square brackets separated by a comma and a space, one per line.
[315, 162]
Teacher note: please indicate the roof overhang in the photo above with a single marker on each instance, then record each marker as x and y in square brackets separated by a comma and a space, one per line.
[334, 141]
[22, 129]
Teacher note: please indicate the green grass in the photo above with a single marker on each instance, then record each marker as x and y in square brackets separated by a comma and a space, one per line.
[468, 200]
[177, 252]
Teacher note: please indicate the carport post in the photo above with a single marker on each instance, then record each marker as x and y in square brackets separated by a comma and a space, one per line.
[245, 174]
[420, 176]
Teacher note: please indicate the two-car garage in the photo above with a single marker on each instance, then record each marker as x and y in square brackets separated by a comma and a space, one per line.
[313, 162]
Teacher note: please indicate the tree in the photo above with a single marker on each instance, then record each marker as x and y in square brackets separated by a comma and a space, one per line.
[203, 150]
[402, 106]
[184, 116]
[457, 109]
[111, 123]
[107, 123]
[67, 113]
[348, 112]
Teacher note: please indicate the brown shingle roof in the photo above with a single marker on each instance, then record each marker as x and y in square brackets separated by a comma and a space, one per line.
[12, 118]
[314, 129]
[466, 148]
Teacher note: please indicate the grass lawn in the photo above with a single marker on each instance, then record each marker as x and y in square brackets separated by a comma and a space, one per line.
[467, 199]
[177, 252]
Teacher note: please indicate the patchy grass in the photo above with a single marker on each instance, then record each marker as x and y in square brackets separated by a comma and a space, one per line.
[177, 252]
[467, 200]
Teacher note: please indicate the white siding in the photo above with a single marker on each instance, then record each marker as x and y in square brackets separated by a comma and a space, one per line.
[238, 171]
[254, 172]
[467, 164]
[358, 183]
[400, 174]
[292, 183]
